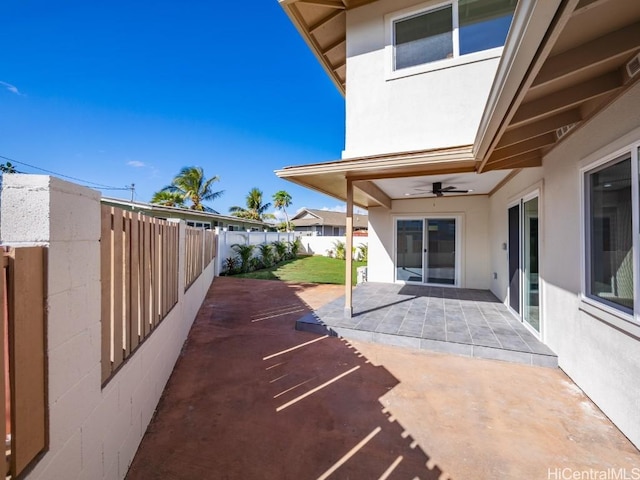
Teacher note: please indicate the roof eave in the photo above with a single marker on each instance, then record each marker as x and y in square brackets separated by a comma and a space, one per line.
[286, 6]
[533, 23]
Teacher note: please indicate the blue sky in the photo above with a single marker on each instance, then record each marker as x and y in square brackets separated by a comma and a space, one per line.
[129, 92]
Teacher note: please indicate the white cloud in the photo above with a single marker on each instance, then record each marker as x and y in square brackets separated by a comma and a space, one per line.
[136, 164]
[11, 88]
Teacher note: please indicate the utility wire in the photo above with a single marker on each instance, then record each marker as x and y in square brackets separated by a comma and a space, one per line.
[86, 182]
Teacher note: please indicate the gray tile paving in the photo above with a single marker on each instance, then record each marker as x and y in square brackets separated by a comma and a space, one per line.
[461, 321]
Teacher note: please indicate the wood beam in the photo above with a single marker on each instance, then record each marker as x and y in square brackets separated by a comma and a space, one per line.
[372, 191]
[529, 145]
[469, 168]
[526, 160]
[567, 98]
[334, 45]
[540, 127]
[325, 3]
[325, 20]
[348, 288]
[622, 42]
[585, 5]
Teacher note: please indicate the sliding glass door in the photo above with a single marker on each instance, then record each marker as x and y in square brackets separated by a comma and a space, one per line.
[441, 251]
[426, 251]
[523, 249]
[409, 250]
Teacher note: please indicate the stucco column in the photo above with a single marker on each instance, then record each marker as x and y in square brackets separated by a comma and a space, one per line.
[348, 254]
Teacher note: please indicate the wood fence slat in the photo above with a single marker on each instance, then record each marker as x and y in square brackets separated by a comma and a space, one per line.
[134, 330]
[165, 265]
[147, 276]
[6, 409]
[27, 355]
[105, 288]
[126, 297]
[154, 271]
[118, 287]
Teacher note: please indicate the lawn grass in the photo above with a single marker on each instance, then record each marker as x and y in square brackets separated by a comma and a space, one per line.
[315, 269]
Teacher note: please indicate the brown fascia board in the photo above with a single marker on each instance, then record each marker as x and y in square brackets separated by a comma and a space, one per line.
[395, 160]
[289, 8]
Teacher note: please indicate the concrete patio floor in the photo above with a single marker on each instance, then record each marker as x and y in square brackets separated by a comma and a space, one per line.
[252, 398]
[462, 321]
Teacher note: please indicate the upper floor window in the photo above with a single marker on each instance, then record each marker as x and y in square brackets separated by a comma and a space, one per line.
[449, 30]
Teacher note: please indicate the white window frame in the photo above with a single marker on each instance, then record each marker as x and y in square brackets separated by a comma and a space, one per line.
[389, 22]
[606, 311]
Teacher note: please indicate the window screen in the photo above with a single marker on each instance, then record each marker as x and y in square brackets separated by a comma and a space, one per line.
[424, 38]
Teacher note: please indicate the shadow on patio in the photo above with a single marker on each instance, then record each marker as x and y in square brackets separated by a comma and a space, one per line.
[252, 398]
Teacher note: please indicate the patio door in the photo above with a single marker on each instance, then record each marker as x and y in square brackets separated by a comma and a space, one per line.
[426, 251]
[523, 249]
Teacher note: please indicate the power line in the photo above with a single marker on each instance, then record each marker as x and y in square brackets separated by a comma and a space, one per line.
[86, 183]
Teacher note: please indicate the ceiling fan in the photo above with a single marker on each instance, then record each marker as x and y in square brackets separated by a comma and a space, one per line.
[438, 191]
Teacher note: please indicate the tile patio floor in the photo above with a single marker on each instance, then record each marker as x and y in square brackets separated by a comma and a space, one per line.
[450, 320]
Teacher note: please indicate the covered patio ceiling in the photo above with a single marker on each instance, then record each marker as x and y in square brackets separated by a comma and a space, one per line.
[564, 61]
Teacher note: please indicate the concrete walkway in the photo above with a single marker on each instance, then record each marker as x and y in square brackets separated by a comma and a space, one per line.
[251, 398]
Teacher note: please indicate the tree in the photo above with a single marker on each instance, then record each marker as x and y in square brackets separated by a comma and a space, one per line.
[282, 200]
[168, 199]
[255, 210]
[192, 185]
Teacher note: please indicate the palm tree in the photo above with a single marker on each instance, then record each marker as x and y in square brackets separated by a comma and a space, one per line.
[168, 199]
[195, 187]
[255, 210]
[282, 200]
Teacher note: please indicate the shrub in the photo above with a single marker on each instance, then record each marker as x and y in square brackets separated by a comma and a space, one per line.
[295, 247]
[267, 255]
[364, 252]
[230, 266]
[280, 248]
[245, 252]
[340, 249]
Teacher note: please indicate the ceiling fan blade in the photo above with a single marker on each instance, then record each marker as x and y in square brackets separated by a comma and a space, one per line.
[450, 187]
[454, 191]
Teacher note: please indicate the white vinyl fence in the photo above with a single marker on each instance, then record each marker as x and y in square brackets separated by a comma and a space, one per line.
[326, 246]
[226, 240]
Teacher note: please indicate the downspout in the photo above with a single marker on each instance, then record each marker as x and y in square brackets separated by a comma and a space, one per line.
[348, 255]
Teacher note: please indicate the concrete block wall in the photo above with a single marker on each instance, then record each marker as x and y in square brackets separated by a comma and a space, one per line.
[94, 432]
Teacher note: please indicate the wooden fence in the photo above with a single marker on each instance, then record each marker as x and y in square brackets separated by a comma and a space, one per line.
[139, 269]
[23, 384]
[200, 250]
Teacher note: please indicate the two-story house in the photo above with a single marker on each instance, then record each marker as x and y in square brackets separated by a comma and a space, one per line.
[496, 146]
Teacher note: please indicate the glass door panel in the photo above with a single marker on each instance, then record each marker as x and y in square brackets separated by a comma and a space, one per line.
[441, 251]
[514, 258]
[409, 250]
[531, 295]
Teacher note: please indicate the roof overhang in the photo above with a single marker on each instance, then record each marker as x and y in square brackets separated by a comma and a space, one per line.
[322, 24]
[331, 178]
[563, 62]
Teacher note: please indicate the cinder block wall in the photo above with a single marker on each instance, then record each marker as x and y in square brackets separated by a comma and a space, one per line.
[94, 432]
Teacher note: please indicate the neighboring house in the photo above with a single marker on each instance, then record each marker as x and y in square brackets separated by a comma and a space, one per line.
[326, 223]
[512, 168]
[193, 218]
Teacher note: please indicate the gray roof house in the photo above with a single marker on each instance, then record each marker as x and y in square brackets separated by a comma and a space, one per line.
[326, 222]
[193, 218]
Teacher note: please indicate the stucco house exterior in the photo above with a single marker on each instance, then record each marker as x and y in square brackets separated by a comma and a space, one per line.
[311, 221]
[496, 146]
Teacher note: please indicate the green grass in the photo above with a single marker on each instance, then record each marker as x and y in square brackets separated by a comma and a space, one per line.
[314, 269]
